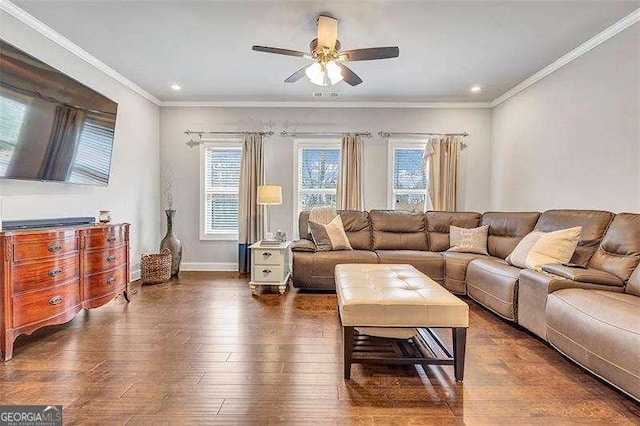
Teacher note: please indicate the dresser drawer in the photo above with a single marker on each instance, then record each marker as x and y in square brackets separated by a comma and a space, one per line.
[37, 306]
[267, 273]
[108, 236]
[41, 275]
[44, 249]
[267, 257]
[104, 283]
[101, 260]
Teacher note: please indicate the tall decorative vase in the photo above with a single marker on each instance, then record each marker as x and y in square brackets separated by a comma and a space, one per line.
[171, 242]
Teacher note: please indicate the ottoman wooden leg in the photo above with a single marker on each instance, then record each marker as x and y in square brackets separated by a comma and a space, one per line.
[347, 346]
[459, 345]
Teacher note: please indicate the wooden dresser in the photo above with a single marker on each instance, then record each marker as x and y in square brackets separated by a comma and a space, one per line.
[49, 275]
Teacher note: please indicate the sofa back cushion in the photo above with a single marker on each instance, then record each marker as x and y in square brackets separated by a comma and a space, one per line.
[507, 229]
[438, 224]
[619, 251]
[633, 285]
[356, 225]
[594, 224]
[398, 230]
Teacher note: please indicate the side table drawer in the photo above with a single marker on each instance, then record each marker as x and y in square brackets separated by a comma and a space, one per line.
[267, 257]
[268, 273]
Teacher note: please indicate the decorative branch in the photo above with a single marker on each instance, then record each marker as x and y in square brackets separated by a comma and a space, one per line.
[167, 185]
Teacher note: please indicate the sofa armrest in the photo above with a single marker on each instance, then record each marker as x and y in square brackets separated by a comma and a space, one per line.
[303, 245]
[583, 275]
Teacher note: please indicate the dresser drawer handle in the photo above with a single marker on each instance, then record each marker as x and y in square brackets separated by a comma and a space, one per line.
[55, 300]
[111, 258]
[54, 248]
[54, 272]
[111, 281]
[267, 254]
[266, 271]
[111, 238]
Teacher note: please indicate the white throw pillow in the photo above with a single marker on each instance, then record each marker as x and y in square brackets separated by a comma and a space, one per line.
[330, 236]
[554, 247]
[540, 248]
[469, 240]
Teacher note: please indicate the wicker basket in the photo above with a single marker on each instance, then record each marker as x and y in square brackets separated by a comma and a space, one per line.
[156, 268]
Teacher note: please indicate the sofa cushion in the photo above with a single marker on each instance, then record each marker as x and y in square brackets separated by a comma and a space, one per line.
[594, 223]
[494, 284]
[429, 263]
[599, 330]
[472, 240]
[356, 225]
[315, 270]
[398, 230]
[303, 245]
[619, 252]
[583, 275]
[633, 285]
[507, 229]
[455, 270]
[438, 226]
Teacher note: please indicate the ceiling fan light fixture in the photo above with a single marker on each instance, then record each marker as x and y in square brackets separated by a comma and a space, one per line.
[326, 75]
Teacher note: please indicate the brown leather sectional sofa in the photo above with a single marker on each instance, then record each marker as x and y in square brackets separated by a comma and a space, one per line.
[590, 311]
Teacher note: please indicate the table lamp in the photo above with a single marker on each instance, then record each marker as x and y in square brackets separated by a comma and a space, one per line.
[269, 195]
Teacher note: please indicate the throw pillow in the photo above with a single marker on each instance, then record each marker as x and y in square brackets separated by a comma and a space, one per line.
[554, 247]
[330, 236]
[469, 240]
[518, 256]
[540, 248]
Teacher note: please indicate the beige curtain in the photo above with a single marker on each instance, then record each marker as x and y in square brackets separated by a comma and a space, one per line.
[251, 217]
[350, 178]
[441, 161]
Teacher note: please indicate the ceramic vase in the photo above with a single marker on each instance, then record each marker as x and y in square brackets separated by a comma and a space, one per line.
[171, 242]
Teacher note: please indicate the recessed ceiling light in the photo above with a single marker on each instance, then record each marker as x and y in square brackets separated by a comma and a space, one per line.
[476, 89]
[176, 87]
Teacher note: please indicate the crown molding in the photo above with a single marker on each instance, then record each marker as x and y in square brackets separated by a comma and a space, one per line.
[618, 27]
[310, 104]
[70, 46]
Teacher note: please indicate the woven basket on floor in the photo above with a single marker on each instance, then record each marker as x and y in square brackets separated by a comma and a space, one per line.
[156, 268]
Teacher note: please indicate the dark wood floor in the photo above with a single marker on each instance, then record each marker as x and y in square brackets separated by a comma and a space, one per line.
[201, 349]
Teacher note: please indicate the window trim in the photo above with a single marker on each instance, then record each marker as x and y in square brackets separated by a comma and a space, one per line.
[392, 145]
[218, 143]
[310, 143]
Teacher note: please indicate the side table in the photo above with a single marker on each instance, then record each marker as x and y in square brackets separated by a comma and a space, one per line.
[270, 265]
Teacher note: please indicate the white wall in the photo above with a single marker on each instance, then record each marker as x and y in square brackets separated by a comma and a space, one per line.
[573, 139]
[133, 190]
[474, 169]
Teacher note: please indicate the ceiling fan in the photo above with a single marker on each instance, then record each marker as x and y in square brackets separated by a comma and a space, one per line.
[327, 68]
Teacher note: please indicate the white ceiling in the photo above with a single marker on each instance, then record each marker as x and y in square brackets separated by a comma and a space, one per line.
[445, 47]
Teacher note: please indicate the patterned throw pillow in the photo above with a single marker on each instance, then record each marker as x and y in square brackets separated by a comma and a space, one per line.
[469, 240]
[330, 236]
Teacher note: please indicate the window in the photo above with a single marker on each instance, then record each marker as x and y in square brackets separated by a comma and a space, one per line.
[408, 180]
[12, 115]
[317, 166]
[220, 182]
[93, 157]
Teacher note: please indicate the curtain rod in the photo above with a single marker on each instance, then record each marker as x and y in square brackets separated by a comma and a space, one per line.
[285, 134]
[192, 142]
[419, 134]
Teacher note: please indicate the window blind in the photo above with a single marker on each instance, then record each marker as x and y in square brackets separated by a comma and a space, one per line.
[12, 115]
[93, 156]
[409, 179]
[318, 169]
[222, 183]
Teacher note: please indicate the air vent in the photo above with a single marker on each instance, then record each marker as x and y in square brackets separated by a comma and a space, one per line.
[326, 94]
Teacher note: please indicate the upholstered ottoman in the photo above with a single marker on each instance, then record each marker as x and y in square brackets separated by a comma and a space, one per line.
[398, 301]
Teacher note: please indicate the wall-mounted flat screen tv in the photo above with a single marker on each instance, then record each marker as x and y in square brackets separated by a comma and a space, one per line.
[52, 128]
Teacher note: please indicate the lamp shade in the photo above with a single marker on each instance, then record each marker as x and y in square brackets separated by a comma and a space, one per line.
[269, 194]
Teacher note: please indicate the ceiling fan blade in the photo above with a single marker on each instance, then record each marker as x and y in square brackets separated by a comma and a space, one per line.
[279, 51]
[370, 54]
[327, 32]
[349, 76]
[296, 75]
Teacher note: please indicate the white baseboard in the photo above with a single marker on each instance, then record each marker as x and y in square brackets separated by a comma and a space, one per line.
[209, 266]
